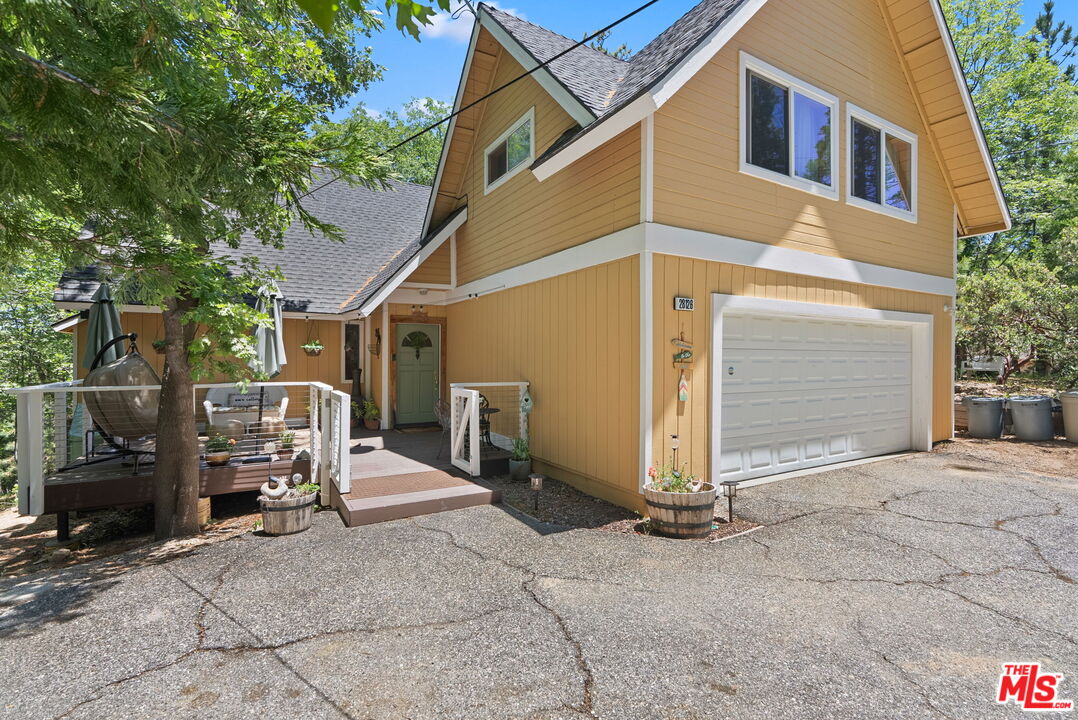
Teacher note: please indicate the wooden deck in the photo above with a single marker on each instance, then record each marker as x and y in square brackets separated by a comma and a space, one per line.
[401, 474]
[395, 474]
[114, 484]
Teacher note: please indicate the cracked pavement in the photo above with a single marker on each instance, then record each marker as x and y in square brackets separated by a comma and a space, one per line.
[888, 590]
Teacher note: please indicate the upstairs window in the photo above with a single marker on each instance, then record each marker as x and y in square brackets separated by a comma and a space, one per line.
[787, 129]
[511, 152]
[883, 166]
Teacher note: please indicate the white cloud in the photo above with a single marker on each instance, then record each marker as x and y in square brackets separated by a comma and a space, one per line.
[457, 24]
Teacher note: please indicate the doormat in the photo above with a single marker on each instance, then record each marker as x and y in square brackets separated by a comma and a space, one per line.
[420, 429]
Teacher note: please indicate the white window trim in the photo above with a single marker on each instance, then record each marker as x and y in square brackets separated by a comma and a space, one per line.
[525, 164]
[886, 128]
[770, 72]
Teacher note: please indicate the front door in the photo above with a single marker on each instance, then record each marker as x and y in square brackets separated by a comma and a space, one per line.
[418, 353]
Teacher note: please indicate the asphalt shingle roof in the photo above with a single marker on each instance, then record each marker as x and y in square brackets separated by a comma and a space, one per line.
[322, 275]
[605, 84]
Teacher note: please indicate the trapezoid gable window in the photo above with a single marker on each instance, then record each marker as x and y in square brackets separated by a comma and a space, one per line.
[513, 151]
[883, 166]
[787, 129]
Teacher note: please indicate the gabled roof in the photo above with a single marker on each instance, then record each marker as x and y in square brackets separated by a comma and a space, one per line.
[322, 275]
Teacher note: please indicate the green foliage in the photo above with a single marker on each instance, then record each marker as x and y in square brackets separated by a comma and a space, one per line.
[1026, 96]
[521, 451]
[417, 161]
[409, 14]
[31, 352]
[219, 444]
[306, 489]
[370, 410]
[668, 478]
[313, 346]
[621, 52]
[288, 440]
[1023, 312]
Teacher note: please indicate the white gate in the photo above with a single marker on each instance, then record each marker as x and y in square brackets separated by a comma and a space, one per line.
[464, 430]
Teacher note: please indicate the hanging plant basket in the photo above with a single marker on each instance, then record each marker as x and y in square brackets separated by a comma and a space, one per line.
[158, 346]
[313, 349]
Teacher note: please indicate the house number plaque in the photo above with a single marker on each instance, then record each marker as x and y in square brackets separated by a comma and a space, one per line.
[684, 303]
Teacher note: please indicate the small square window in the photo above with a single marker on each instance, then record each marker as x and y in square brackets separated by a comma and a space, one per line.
[511, 152]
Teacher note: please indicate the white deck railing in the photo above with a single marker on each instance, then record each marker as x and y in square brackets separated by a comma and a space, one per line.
[53, 430]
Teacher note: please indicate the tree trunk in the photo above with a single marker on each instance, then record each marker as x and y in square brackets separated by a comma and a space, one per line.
[176, 469]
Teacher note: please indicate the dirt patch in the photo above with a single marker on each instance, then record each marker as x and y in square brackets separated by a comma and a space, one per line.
[562, 504]
[1054, 458]
[1015, 386]
[28, 544]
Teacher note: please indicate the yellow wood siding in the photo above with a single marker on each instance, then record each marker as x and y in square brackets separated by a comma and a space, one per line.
[677, 276]
[435, 269]
[575, 338]
[524, 219]
[844, 48]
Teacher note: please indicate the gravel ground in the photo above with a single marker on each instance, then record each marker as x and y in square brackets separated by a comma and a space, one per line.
[889, 590]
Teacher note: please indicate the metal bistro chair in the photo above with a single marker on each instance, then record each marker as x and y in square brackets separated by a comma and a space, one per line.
[443, 410]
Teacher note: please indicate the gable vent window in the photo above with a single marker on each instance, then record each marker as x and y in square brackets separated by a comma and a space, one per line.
[787, 129]
[883, 166]
[513, 151]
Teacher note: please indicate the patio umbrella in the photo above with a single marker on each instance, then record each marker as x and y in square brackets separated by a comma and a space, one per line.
[104, 325]
[269, 341]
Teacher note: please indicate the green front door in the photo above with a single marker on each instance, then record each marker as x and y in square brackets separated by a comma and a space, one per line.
[418, 354]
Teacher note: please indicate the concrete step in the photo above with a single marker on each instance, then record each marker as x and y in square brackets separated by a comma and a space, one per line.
[426, 493]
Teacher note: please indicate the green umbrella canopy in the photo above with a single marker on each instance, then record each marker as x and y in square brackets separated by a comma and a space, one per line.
[269, 341]
[104, 325]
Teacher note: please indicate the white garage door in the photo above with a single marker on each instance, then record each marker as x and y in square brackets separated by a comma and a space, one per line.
[799, 392]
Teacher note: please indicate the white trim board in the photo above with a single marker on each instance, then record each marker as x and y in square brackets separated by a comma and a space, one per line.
[921, 365]
[681, 242]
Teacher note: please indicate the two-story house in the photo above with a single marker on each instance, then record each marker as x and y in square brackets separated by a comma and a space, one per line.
[772, 186]
[739, 243]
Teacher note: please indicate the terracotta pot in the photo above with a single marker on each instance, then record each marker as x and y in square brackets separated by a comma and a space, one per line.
[218, 459]
[372, 424]
[681, 515]
[285, 453]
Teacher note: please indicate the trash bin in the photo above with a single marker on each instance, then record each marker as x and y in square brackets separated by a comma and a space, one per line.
[985, 416]
[1070, 414]
[1032, 417]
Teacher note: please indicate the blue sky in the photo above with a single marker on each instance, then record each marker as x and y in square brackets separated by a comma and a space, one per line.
[432, 67]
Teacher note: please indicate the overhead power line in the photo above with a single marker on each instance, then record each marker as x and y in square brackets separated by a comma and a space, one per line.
[497, 90]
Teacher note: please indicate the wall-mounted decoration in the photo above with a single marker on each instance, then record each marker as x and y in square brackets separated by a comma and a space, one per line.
[375, 348]
[683, 388]
[683, 357]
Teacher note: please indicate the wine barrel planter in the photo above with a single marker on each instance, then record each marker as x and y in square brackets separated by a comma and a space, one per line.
[681, 515]
[287, 516]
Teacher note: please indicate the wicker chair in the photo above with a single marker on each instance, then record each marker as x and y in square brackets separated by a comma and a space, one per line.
[443, 410]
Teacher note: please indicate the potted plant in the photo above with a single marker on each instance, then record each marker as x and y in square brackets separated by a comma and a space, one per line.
[287, 441]
[159, 346]
[520, 462]
[313, 347]
[679, 504]
[219, 450]
[371, 415]
[287, 506]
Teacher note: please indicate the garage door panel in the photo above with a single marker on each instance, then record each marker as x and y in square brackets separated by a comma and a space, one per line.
[811, 391]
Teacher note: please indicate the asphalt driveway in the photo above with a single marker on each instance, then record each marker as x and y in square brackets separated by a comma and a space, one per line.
[889, 590]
